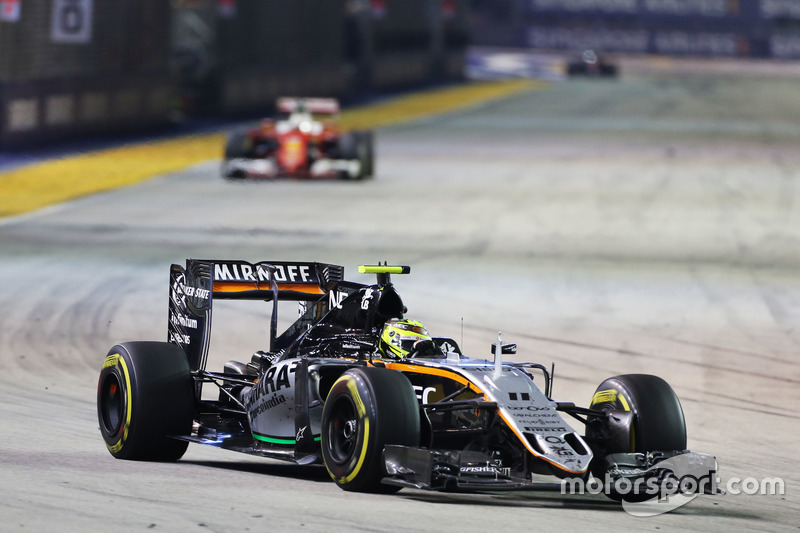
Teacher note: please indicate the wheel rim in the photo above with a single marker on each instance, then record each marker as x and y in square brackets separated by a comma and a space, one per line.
[343, 429]
[112, 404]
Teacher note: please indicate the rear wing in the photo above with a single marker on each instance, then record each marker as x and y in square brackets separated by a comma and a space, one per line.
[295, 281]
[194, 288]
[321, 106]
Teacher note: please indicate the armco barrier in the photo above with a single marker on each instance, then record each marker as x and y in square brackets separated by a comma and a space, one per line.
[38, 111]
[82, 67]
[87, 67]
[722, 28]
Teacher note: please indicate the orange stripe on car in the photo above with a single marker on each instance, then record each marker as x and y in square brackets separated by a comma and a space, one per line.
[242, 286]
[404, 367]
[464, 381]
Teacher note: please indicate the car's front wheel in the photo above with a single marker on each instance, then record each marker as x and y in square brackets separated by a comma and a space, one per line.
[658, 423]
[367, 409]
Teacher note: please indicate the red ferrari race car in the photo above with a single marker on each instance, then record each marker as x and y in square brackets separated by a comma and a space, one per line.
[306, 142]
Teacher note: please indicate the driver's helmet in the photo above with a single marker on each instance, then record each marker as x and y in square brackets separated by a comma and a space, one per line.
[399, 336]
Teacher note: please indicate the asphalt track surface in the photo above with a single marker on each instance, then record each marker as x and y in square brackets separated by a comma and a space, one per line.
[648, 224]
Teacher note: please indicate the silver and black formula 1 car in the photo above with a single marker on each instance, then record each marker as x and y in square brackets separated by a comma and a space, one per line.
[323, 394]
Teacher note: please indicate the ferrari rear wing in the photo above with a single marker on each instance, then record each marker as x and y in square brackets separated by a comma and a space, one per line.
[321, 106]
[194, 288]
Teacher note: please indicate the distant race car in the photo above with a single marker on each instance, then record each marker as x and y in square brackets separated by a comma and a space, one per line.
[355, 386]
[306, 143]
[590, 63]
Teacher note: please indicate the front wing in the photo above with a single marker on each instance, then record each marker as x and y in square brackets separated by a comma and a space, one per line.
[466, 471]
[452, 471]
[269, 168]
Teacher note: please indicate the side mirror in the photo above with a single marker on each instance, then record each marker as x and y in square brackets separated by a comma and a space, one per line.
[507, 348]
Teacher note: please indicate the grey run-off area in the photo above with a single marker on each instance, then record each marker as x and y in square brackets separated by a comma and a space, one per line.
[649, 224]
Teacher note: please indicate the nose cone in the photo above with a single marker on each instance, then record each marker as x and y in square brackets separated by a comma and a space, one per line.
[293, 153]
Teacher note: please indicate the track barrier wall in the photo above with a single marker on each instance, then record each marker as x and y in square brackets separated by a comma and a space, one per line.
[716, 28]
[89, 67]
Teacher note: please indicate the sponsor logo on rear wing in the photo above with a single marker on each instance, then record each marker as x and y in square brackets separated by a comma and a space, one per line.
[293, 280]
[189, 322]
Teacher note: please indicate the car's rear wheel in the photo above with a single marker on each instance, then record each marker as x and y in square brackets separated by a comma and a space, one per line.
[367, 409]
[144, 396]
[658, 421]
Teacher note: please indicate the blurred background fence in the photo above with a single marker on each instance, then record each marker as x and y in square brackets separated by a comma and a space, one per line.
[78, 67]
[71, 67]
[732, 28]
[87, 67]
